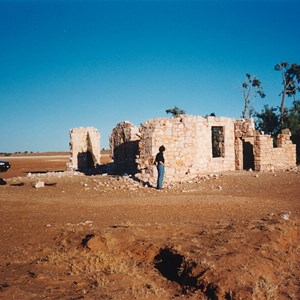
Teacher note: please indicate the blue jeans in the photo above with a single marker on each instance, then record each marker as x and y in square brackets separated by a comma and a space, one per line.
[161, 172]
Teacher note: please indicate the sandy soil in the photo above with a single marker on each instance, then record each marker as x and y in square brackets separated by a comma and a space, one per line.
[226, 236]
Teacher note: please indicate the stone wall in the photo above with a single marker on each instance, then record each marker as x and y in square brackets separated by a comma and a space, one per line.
[84, 148]
[124, 145]
[270, 158]
[189, 146]
[244, 143]
[196, 145]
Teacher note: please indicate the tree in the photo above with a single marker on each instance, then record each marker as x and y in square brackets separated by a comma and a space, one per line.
[290, 74]
[175, 111]
[251, 86]
[292, 121]
[211, 115]
[267, 120]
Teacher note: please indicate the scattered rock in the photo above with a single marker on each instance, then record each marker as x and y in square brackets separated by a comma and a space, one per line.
[39, 184]
[189, 190]
[285, 215]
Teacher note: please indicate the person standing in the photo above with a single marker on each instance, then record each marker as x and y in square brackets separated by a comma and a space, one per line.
[160, 164]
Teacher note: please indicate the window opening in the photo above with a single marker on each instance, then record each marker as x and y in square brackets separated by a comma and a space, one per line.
[217, 140]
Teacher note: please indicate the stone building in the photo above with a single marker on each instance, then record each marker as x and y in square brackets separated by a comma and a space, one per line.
[196, 145]
[84, 148]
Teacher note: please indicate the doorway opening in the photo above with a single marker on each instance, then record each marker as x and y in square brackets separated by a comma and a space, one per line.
[248, 156]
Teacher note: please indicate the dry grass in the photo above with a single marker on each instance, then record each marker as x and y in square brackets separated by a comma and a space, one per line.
[265, 289]
[104, 269]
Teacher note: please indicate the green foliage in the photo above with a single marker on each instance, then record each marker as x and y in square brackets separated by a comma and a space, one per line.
[210, 115]
[175, 111]
[292, 121]
[267, 120]
[290, 118]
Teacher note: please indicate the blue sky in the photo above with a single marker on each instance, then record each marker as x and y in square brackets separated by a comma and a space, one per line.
[66, 64]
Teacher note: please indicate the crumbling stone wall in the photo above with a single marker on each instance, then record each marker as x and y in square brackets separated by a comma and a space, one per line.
[124, 145]
[255, 150]
[244, 142]
[84, 148]
[196, 145]
[270, 158]
[189, 146]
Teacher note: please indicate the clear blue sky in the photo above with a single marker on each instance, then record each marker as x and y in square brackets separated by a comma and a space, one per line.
[66, 64]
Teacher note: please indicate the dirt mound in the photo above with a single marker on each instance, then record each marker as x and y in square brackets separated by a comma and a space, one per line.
[219, 262]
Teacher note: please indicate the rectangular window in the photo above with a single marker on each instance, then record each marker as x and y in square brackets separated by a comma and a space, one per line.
[217, 141]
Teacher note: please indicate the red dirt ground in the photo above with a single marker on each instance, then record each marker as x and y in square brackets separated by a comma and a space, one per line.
[233, 235]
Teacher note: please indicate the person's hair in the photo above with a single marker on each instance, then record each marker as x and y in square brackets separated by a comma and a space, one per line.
[162, 148]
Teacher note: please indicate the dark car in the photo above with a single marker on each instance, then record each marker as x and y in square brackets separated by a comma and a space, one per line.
[4, 165]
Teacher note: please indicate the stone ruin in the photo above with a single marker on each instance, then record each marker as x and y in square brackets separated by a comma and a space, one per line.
[124, 146]
[268, 158]
[84, 148]
[194, 145]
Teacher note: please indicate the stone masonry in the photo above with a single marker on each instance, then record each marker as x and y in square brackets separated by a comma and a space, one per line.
[84, 148]
[244, 142]
[124, 145]
[270, 158]
[189, 146]
[196, 145]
